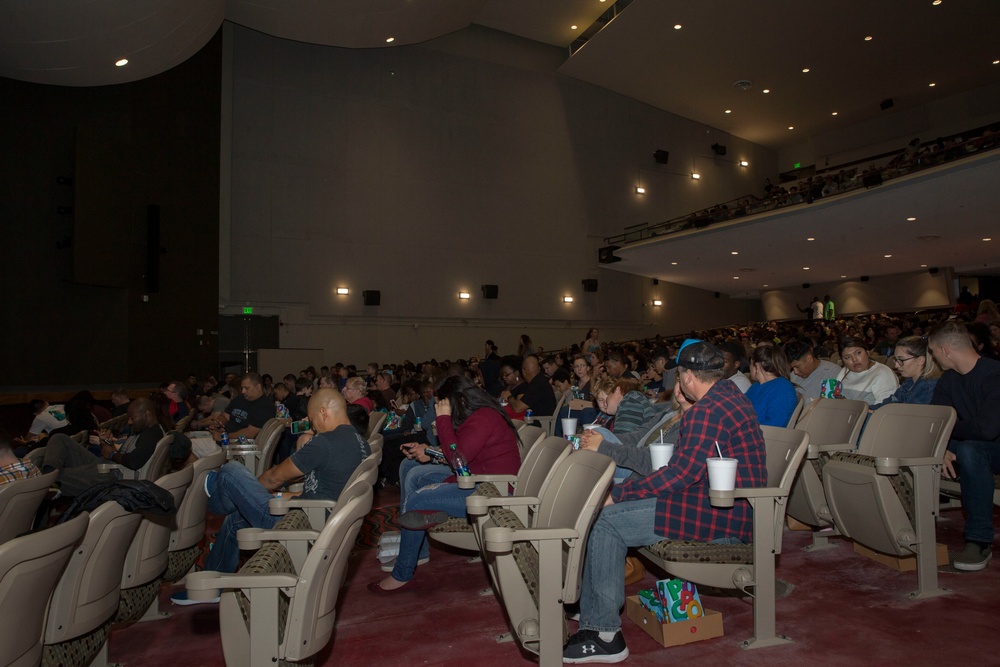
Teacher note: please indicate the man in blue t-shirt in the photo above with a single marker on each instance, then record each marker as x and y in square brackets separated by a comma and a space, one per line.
[325, 460]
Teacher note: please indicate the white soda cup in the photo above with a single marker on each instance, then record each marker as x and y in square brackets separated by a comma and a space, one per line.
[660, 453]
[569, 425]
[722, 473]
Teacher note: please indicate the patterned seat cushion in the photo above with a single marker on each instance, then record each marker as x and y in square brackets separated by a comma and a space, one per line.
[180, 562]
[525, 554]
[136, 600]
[460, 524]
[902, 483]
[294, 520]
[78, 652]
[684, 551]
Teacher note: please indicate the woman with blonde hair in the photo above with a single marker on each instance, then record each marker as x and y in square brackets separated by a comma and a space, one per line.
[987, 312]
[920, 373]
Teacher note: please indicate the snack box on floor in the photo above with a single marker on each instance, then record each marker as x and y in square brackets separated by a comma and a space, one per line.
[678, 632]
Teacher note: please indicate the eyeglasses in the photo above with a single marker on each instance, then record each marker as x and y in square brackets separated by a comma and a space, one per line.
[900, 360]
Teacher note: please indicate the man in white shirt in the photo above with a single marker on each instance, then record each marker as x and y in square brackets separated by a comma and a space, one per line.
[732, 353]
[47, 417]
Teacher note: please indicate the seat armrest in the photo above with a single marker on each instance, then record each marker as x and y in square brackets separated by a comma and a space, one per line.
[509, 479]
[254, 538]
[208, 585]
[479, 505]
[890, 465]
[500, 539]
[105, 468]
[279, 506]
[813, 451]
[760, 492]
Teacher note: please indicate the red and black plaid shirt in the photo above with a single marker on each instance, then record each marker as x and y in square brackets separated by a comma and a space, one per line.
[683, 511]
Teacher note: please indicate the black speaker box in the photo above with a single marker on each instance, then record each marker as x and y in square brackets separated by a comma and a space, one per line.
[661, 157]
[372, 297]
[491, 291]
[152, 249]
[589, 284]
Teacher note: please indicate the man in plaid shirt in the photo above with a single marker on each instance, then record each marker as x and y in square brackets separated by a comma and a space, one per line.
[671, 503]
[11, 467]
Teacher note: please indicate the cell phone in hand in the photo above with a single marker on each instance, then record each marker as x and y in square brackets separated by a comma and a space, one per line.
[436, 454]
[300, 426]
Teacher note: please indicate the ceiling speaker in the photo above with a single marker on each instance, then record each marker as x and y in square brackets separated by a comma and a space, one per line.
[606, 255]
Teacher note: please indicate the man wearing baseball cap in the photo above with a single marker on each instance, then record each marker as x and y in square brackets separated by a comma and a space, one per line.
[671, 503]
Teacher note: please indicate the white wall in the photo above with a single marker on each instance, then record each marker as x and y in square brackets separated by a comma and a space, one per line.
[423, 170]
[892, 293]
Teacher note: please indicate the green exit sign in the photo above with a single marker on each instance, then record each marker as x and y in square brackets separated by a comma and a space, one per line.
[797, 165]
[248, 310]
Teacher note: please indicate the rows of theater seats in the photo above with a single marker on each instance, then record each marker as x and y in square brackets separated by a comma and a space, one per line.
[67, 585]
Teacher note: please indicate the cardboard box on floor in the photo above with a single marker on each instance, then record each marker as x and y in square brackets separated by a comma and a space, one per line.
[677, 633]
[904, 564]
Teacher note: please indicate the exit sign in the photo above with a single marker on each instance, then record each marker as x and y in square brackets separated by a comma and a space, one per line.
[797, 165]
[248, 310]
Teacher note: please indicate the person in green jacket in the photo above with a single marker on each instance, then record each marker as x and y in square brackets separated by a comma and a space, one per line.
[829, 311]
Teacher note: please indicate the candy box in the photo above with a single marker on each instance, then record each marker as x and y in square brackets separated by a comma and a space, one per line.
[707, 626]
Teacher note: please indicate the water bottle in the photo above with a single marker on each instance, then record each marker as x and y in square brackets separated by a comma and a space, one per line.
[458, 462]
[417, 426]
[527, 416]
[282, 410]
[224, 440]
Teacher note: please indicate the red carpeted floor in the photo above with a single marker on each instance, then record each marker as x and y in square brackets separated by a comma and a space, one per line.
[842, 609]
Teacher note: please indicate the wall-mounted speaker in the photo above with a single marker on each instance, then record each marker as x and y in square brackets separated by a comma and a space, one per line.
[865, 279]
[885, 104]
[718, 149]
[933, 270]
[805, 285]
[871, 180]
[661, 157]
[589, 284]
[491, 291]
[718, 295]
[372, 297]
[606, 255]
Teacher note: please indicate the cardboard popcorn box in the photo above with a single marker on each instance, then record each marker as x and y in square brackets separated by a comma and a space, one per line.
[678, 632]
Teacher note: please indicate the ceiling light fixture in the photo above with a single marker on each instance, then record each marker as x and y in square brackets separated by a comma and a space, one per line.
[811, 238]
[695, 175]
[887, 256]
[657, 302]
[843, 276]
[343, 290]
[673, 263]
[931, 84]
[744, 163]
[987, 239]
[765, 285]
[122, 62]
[572, 27]
[834, 113]
[996, 62]
[729, 110]
[868, 38]
[791, 127]
[805, 268]
[736, 277]
[936, 3]
[766, 91]
[390, 40]
[923, 266]
[464, 295]
[910, 219]
[677, 26]
[639, 190]
[567, 299]
[805, 70]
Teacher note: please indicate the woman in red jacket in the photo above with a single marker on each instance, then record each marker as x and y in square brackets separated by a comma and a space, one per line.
[470, 423]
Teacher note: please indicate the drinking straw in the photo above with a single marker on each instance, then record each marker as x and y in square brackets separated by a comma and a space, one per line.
[719, 449]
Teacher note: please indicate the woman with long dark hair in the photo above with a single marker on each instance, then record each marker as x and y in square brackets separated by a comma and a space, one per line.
[470, 424]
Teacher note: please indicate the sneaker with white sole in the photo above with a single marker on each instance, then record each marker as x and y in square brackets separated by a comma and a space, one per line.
[209, 477]
[974, 557]
[181, 598]
[587, 646]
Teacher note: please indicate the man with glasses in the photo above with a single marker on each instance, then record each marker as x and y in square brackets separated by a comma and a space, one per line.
[177, 392]
[354, 392]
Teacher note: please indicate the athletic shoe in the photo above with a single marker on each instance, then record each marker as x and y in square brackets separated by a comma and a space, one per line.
[974, 557]
[587, 646]
[387, 567]
[181, 598]
[209, 477]
[422, 519]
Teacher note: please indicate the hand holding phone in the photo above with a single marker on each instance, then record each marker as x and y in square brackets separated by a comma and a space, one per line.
[300, 426]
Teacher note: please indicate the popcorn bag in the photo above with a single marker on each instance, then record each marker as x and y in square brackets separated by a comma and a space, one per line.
[672, 613]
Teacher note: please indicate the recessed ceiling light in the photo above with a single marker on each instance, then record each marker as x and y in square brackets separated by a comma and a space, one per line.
[122, 62]
[910, 219]
[987, 239]
[766, 91]
[673, 263]
[390, 40]
[923, 266]
[805, 70]
[791, 127]
[811, 238]
[931, 85]
[572, 27]
[735, 252]
[843, 276]
[729, 110]
[677, 26]
[887, 256]
[640, 190]
[805, 268]
[695, 175]
[936, 3]
[744, 163]
[868, 38]
[736, 277]
[834, 113]
[996, 62]
[765, 285]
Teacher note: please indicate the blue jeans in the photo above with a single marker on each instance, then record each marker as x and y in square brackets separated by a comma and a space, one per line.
[618, 527]
[236, 494]
[976, 463]
[412, 476]
[440, 496]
